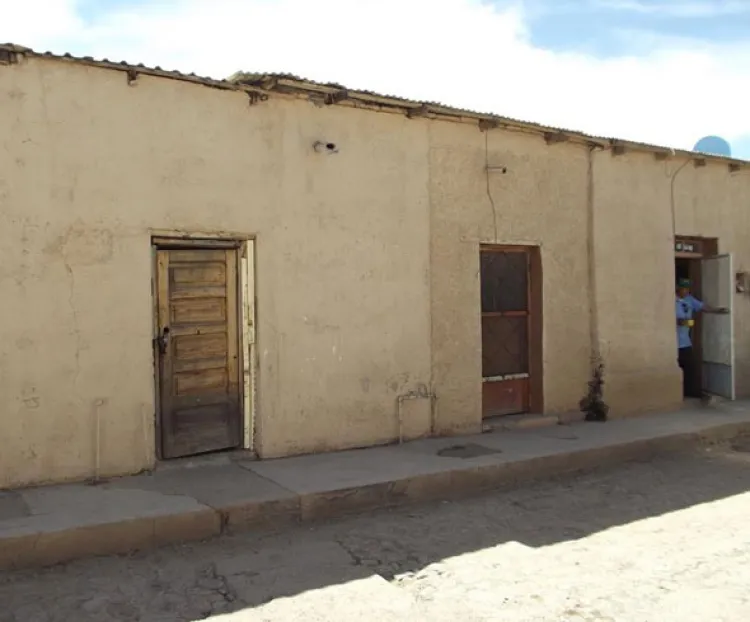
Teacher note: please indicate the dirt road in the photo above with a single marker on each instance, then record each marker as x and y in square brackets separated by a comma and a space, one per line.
[659, 541]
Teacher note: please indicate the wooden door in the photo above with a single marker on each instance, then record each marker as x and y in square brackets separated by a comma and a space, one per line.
[198, 347]
[505, 275]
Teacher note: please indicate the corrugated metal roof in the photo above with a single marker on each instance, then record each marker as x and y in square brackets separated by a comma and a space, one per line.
[333, 93]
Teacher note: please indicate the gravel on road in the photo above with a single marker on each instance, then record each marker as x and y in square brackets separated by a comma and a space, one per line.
[664, 540]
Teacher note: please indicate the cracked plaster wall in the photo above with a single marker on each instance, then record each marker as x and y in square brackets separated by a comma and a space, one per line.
[91, 165]
[367, 262]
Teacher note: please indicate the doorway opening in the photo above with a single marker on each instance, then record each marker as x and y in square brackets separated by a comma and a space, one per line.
[706, 348]
[203, 345]
[511, 310]
[690, 360]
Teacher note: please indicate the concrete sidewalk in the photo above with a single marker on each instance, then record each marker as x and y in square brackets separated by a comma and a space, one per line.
[204, 498]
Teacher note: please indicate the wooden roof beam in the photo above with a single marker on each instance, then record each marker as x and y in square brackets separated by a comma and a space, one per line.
[552, 138]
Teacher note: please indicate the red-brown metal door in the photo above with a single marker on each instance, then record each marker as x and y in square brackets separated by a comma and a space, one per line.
[505, 274]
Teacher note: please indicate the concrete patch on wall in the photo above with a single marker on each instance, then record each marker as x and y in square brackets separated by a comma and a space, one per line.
[416, 418]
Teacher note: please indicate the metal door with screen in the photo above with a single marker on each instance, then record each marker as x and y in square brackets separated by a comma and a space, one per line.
[717, 285]
[505, 286]
[198, 350]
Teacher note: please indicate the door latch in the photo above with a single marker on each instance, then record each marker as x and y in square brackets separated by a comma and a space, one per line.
[162, 341]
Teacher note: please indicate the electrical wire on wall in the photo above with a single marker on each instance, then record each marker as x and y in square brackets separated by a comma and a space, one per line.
[673, 177]
[591, 256]
[487, 180]
[671, 198]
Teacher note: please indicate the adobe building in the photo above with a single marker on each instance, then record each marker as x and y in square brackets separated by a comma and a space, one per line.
[264, 263]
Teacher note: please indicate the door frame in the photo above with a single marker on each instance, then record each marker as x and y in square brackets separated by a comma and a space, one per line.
[535, 322]
[699, 248]
[246, 306]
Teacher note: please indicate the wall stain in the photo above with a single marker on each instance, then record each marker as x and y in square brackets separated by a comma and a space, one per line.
[82, 246]
[319, 326]
[24, 343]
[32, 403]
[395, 383]
[76, 324]
[30, 399]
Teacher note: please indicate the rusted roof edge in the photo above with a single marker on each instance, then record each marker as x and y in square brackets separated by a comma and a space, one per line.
[293, 85]
[123, 66]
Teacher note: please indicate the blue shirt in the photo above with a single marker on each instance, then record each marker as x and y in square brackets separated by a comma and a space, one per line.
[686, 308]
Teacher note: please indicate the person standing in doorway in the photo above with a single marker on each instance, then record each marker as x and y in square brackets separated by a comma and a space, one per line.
[687, 306]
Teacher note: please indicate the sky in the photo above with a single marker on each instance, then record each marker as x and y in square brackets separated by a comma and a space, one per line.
[660, 71]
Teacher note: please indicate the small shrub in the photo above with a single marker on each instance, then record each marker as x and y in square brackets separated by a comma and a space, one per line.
[593, 402]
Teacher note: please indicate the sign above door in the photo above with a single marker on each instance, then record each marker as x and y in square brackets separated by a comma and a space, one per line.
[687, 246]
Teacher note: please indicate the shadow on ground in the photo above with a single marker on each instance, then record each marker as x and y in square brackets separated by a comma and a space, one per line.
[233, 573]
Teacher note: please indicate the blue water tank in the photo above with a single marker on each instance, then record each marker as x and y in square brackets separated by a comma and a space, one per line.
[715, 145]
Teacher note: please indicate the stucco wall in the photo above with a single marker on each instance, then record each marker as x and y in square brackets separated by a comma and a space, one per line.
[367, 261]
[635, 266]
[540, 200]
[711, 202]
[91, 165]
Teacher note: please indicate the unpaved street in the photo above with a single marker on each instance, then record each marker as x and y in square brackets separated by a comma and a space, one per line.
[662, 541]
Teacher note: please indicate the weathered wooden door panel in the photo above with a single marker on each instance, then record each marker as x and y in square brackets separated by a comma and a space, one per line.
[199, 371]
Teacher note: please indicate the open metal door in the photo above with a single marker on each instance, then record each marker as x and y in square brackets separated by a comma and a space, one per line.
[717, 285]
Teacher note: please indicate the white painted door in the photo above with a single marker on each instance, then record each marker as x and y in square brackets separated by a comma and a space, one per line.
[717, 285]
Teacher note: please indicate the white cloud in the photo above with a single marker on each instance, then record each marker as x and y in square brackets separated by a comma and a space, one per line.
[679, 8]
[459, 52]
